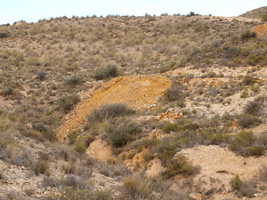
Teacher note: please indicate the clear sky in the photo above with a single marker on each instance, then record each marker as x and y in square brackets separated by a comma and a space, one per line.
[34, 10]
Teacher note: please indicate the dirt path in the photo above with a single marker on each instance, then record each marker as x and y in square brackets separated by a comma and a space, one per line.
[135, 91]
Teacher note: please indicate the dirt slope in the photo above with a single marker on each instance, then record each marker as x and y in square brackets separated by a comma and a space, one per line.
[219, 165]
[135, 91]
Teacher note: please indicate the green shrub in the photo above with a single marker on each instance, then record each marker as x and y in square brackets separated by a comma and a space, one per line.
[166, 149]
[254, 151]
[33, 60]
[248, 80]
[80, 146]
[254, 59]
[168, 146]
[119, 136]
[136, 188]
[264, 17]
[244, 94]
[220, 138]
[244, 140]
[231, 51]
[49, 135]
[131, 128]
[108, 111]
[179, 165]
[248, 121]
[75, 80]
[236, 183]
[67, 103]
[110, 71]
[211, 74]
[39, 127]
[147, 156]
[167, 128]
[72, 137]
[175, 93]
[255, 107]
[150, 142]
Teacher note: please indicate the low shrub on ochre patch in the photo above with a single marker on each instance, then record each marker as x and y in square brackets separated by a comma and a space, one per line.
[108, 111]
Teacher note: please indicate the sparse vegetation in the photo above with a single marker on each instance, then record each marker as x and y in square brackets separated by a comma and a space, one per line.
[119, 136]
[216, 101]
[67, 103]
[247, 121]
[246, 143]
[248, 35]
[181, 166]
[175, 93]
[236, 183]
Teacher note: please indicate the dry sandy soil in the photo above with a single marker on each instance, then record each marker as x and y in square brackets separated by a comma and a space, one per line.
[219, 166]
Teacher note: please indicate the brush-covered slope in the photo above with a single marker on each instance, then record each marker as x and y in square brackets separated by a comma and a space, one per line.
[185, 88]
[256, 13]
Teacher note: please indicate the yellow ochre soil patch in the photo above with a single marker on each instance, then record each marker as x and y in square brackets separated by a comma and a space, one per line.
[135, 91]
[261, 30]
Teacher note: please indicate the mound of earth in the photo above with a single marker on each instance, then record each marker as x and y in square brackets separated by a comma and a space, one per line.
[261, 30]
[100, 151]
[135, 91]
[219, 166]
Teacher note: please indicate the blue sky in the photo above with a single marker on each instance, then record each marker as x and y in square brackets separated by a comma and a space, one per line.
[34, 10]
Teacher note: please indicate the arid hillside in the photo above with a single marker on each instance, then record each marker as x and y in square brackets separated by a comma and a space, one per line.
[124, 107]
[256, 13]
